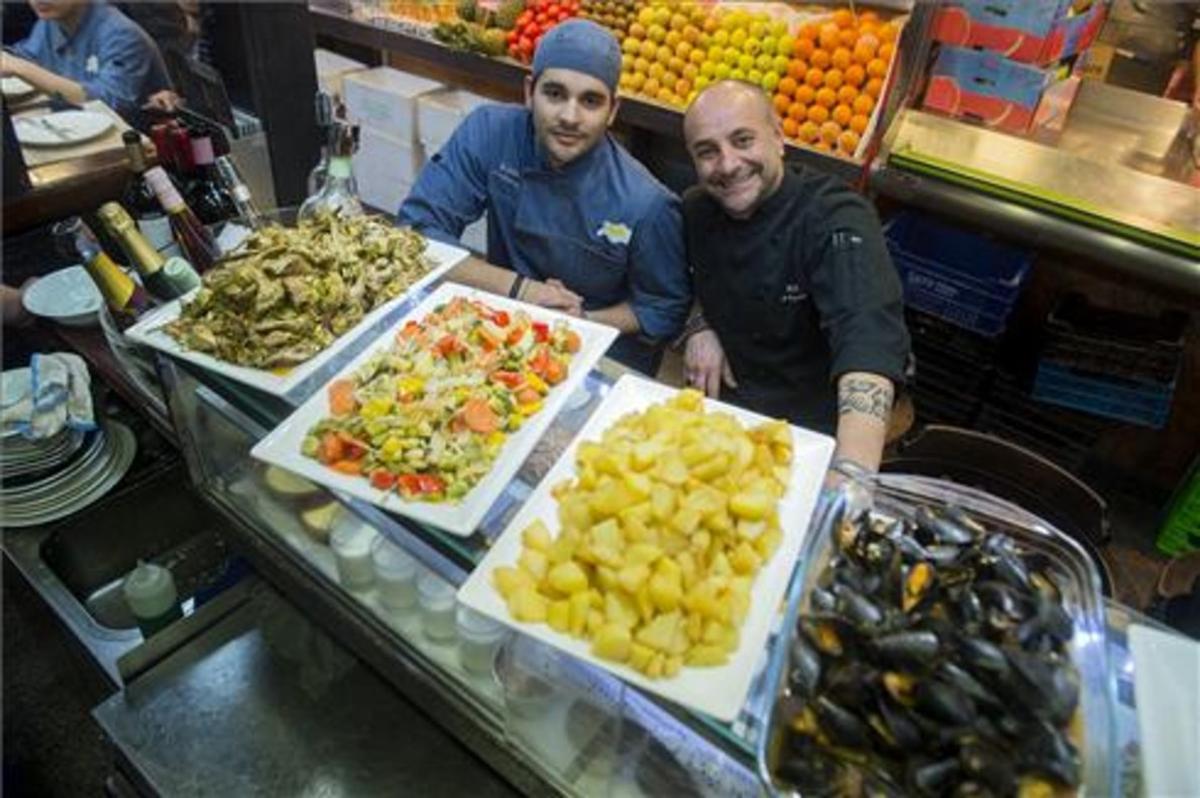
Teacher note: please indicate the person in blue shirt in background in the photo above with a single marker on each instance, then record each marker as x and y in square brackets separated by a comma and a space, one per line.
[83, 50]
[575, 223]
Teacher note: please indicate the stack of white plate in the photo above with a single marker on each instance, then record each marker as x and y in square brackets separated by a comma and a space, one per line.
[99, 462]
[20, 457]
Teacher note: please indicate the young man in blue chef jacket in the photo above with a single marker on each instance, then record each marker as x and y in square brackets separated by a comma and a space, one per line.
[575, 223]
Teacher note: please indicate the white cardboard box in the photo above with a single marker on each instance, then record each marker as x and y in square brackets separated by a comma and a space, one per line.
[440, 113]
[385, 168]
[332, 69]
[386, 99]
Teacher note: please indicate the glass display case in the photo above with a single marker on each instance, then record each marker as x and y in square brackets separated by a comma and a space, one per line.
[385, 587]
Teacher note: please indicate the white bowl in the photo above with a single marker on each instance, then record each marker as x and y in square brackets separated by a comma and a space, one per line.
[67, 296]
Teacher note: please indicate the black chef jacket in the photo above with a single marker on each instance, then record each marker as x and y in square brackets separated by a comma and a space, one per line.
[799, 294]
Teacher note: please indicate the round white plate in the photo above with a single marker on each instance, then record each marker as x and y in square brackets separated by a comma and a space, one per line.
[14, 87]
[67, 296]
[62, 129]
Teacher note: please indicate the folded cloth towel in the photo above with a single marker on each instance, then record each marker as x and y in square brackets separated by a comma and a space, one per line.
[60, 397]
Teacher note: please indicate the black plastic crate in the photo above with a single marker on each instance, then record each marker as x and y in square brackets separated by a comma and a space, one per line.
[1107, 342]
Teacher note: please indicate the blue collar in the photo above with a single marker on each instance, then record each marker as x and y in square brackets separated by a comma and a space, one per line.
[59, 38]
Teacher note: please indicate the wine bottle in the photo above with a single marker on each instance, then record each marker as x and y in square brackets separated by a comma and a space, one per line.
[165, 278]
[138, 198]
[324, 115]
[205, 194]
[126, 299]
[197, 243]
[338, 194]
[239, 192]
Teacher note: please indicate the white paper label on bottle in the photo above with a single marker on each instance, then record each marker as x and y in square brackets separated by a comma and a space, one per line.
[156, 229]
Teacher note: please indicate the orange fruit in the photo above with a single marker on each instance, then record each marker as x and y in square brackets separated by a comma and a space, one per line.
[805, 94]
[885, 51]
[797, 111]
[808, 132]
[874, 87]
[826, 97]
[829, 37]
[848, 37]
[821, 59]
[842, 115]
[810, 31]
[841, 58]
[888, 33]
[830, 131]
[781, 102]
[833, 79]
[859, 122]
[797, 69]
[818, 114]
[869, 26]
[683, 87]
[822, 144]
[803, 48]
[864, 104]
[867, 16]
[848, 142]
[863, 53]
[787, 86]
[855, 75]
[877, 68]
[843, 18]
[790, 128]
[847, 95]
[815, 77]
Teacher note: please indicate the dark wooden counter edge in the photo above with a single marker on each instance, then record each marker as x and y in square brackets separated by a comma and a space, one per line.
[633, 112]
[1159, 271]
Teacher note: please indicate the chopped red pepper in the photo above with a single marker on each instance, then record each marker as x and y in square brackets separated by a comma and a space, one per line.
[501, 318]
[509, 379]
[541, 332]
[448, 345]
[382, 479]
[540, 361]
[431, 484]
[420, 484]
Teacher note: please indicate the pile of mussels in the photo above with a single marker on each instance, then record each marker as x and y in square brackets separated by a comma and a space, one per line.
[931, 659]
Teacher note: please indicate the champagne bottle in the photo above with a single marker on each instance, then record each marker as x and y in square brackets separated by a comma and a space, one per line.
[205, 194]
[197, 243]
[165, 278]
[338, 194]
[125, 298]
[239, 192]
[138, 198]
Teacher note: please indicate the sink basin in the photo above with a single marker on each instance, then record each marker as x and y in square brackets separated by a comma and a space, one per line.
[160, 521]
[78, 566]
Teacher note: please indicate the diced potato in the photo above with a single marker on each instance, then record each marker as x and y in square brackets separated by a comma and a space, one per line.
[606, 578]
[642, 553]
[745, 559]
[655, 669]
[662, 501]
[568, 578]
[665, 592]
[558, 616]
[751, 506]
[595, 620]
[536, 536]
[620, 609]
[632, 577]
[580, 607]
[705, 657]
[509, 579]
[528, 606]
[672, 470]
[672, 666]
[607, 533]
[640, 656]
[712, 468]
[613, 642]
[659, 633]
[534, 563]
[686, 521]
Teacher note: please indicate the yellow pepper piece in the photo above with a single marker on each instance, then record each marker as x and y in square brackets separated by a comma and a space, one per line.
[374, 408]
[529, 409]
[536, 382]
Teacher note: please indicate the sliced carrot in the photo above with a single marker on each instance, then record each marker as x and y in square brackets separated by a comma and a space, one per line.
[573, 341]
[479, 416]
[350, 467]
[332, 448]
[527, 396]
[556, 371]
[341, 397]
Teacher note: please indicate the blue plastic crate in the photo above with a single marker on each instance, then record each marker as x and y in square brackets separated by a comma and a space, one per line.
[964, 278]
[1138, 402]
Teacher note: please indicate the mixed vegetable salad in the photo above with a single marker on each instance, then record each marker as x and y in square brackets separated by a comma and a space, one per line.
[427, 416]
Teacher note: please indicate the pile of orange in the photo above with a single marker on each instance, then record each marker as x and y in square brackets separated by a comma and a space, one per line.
[835, 79]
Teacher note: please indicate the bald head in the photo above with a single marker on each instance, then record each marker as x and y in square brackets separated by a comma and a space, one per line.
[736, 144]
[730, 96]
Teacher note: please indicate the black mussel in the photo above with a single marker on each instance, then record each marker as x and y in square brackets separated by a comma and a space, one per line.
[830, 634]
[1048, 752]
[997, 542]
[940, 528]
[1054, 683]
[968, 684]
[931, 778]
[897, 728]
[1045, 585]
[1009, 567]
[1004, 598]
[969, 609]
[918, 583]
[943, 554]
[808, 768]
[981, 656]
[989, 766]
[878, 553]
[972, 789]
[959, 516]
[906, 648]
[805, 663]
[849, 683]
[823, 600]
[910, 549]
[944, 702]
[840, 725]
[858, 608]
[1049, 621]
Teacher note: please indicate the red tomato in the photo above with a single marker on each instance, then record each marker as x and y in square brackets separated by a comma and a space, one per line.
[431, 484]
[563, 15]
[553, 9]
[526, 47]
[524, 19]
[542, 18]
[501, 318]
[541, 332]
[382, 479]
[510, 379]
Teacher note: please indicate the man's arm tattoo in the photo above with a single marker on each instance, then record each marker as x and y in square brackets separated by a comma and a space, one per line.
[856, 395]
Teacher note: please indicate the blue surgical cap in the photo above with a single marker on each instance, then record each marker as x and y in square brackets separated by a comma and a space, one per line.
[583, 46]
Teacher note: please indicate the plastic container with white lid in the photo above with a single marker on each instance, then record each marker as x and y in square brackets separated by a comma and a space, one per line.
[351, 542]
[395, 575]
[437, 607]
[479, 637]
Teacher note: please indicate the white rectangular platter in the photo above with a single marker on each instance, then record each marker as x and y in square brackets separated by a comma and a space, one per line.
[148, 331]
[282, 446]
[721, 691]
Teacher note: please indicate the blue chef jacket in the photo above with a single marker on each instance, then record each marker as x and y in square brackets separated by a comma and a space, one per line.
[601, 224]
[110, 56]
